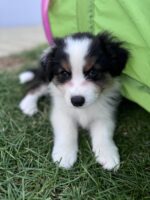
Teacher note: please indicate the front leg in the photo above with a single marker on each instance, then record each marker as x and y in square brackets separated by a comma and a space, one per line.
[65, 140]
[106, 152]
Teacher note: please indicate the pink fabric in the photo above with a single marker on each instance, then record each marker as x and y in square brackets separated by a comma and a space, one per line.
[46, 22]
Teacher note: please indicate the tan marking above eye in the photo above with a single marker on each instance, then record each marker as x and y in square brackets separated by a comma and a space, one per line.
[66, 65]
[90, 61]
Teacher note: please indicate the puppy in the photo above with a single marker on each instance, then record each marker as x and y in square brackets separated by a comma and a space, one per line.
[80, 72]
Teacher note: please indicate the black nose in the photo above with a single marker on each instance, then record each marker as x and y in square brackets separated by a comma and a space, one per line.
[77, 100]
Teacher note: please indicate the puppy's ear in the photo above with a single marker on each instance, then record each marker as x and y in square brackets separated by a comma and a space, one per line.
[49, 58]
[46, 62]
[113, 55]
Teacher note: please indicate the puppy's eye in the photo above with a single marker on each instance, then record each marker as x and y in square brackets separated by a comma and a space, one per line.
[91, 74]
[63, 76]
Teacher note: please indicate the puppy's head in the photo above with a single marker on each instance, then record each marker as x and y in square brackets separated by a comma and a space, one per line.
[82, 66]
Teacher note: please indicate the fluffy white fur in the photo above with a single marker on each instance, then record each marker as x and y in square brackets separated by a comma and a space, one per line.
[28, 105]
[26, 77]
[97, 114]
[97, 118]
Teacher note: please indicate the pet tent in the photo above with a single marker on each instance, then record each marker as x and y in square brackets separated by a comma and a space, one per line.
[129, 20]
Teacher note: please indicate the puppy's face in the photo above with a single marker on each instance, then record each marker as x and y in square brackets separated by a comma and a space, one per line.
[82, 66]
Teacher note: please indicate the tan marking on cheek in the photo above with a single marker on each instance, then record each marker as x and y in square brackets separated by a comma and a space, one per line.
[66, 65]
[105, 83]
[89, 63]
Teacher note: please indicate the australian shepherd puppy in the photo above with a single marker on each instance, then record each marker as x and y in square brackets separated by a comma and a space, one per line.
[80, 72]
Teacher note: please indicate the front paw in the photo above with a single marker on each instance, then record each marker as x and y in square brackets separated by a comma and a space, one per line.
[64, 157]
[108, 157]
[28, 106]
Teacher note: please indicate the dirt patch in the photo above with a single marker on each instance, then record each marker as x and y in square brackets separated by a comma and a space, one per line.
[11, 62]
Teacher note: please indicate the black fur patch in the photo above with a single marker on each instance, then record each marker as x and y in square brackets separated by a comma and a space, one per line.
[110, 54]
[53, 63]
[39, 79]
[80, 36]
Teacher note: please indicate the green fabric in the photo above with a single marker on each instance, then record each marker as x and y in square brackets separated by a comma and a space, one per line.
[129, 20]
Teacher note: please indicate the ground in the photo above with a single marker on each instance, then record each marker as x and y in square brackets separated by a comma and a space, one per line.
[26, 167]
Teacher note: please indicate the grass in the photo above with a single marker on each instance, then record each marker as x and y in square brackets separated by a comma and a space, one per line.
[28, 173]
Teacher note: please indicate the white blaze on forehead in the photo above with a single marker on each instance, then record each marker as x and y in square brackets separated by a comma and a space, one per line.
[77, 49]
